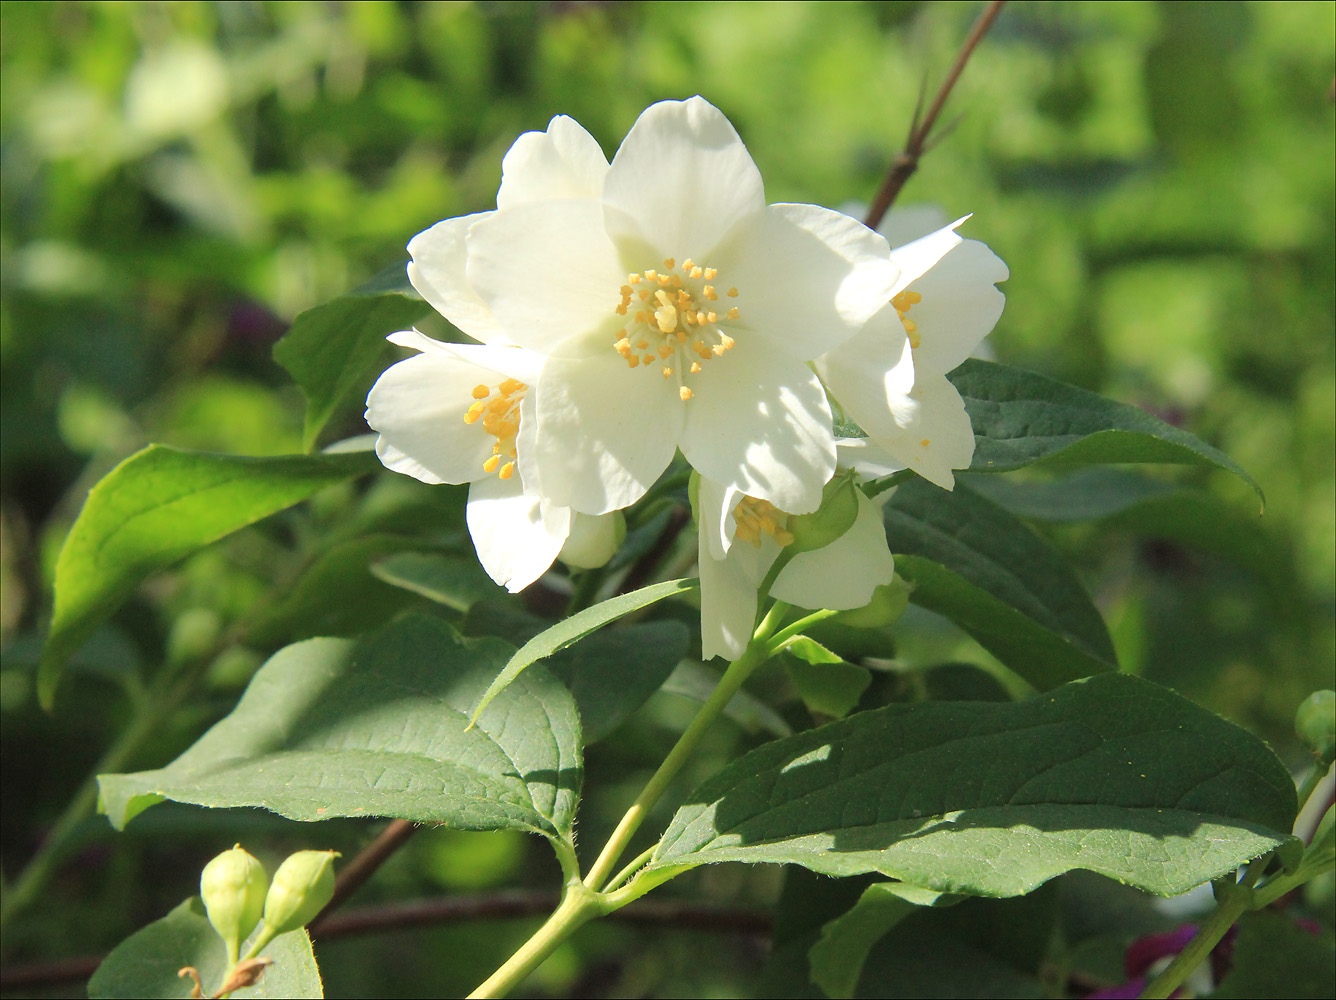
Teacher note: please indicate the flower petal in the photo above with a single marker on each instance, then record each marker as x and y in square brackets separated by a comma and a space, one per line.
[865, 373]
[917, 258]
[607, 431]
[843, 575]
[759, 421]
[935, 435]
[808, 278]
[437, 272]
[681, 181]
[563, 162]
[516, 536]
[717, 527]
[417, 407]
[547, 271]
[960, 305]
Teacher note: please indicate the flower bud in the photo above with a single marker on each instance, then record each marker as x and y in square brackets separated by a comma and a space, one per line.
[302, 886]
[594, 539]
[888, 603]
[835, 516]
[1315, 724]
[232, 887]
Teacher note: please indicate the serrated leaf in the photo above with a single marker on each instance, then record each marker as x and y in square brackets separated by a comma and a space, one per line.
[1020, 417]
[157, 506]
[380, 727]
[1111, 774]
[971, 561]
[330, 349]
[146, 963]
[577, 626]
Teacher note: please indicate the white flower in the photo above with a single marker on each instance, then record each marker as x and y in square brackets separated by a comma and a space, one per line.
[740, 537]
[460, 413]
[891, 377]
[674, 308]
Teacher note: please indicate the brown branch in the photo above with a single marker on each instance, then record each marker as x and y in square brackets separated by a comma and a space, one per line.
[363, 866]
[906, 162]
[502, 905]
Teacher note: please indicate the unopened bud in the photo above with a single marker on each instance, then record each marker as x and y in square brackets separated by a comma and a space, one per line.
[302, 886]
[594, 539]
[232, 887]
[835, 516]
[1315, 724]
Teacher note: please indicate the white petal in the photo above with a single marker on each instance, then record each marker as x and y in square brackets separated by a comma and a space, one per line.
[728, 596]
[593, 539]
[865, 373]
[866, 457]
[759, 421]
[417, 406]
[437, 272]
[716, 523]
[844, 574]
[516, 536]
[960, 305]
[935, 435]
[917, 258]
[563, 162]
[498, 359]
[681, 181]
[608, 431]
[547, 271]
[808, 278]
[905, 225]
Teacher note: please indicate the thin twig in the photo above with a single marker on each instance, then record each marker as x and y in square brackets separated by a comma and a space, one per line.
[906, 162]
[363, 866]
[683, 915]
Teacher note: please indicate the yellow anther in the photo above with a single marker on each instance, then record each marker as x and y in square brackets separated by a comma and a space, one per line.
[651, 275]
[641, 316]
[481, 392]
[681, 336]
[512, 385]
[712, 317]
[909, 325]
[473, 413]
[507, 470]
[924, 442]
[491, 464]
[726, 342]
[621, 309]
[670, 263]
[647, 360]
[710, 272]
[634, 279]
[633, 361]
[695, 367]
[626, 291]
[709, 292]
[700, 348]
[642, 344]
[684, 393]
[732, 313]
[666, 318]
[696, 272]
[688, 264]
[732, 293]
[667, 372]
[622, 347]
[665, 351]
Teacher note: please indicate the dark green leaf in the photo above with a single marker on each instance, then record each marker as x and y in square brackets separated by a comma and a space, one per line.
[454, 581]
[979, 566]
[157, 506]
[576, 627]
[329, 727]
[1021, 417]
[1275, 957]
[828, 685]
[146, 963]
[1111, 774]
[330, 349]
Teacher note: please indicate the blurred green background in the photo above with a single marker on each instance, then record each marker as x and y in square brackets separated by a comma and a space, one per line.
[181, 179]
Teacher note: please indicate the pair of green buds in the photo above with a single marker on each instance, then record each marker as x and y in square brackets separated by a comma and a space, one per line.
[237, 893]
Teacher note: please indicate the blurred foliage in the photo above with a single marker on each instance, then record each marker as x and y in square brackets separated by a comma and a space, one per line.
[181, 179]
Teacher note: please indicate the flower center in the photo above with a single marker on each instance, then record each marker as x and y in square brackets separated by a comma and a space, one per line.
[755, 518]
[500, 416]
[903, 303]
[674, 320]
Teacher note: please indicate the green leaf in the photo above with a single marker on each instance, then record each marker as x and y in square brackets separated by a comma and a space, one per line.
[453, 581]
[157, 506]
[329, 728]
[1275, 957]
[576, 627]
[971, 561]
[1111, 774]
[330, 349]
[828, 685]
[837, 959]
[1021, 417]
[146, 963]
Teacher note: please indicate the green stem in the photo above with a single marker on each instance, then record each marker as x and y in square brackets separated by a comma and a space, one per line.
[630, 869]
[578, 906]
[791, 631]
[149, 713]
[1199, 948]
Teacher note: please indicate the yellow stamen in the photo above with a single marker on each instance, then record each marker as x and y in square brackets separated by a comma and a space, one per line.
[491, 464]
[507, 470]
[684, 393]
[481, 392]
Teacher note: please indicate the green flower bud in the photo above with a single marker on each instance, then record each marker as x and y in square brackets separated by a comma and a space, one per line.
[835, 516]
[594, 539]
[1315, 724]
[302, 886]
[232, 887]
[887, 605]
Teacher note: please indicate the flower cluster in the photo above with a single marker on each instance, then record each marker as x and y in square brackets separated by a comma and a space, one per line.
[624, 312]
